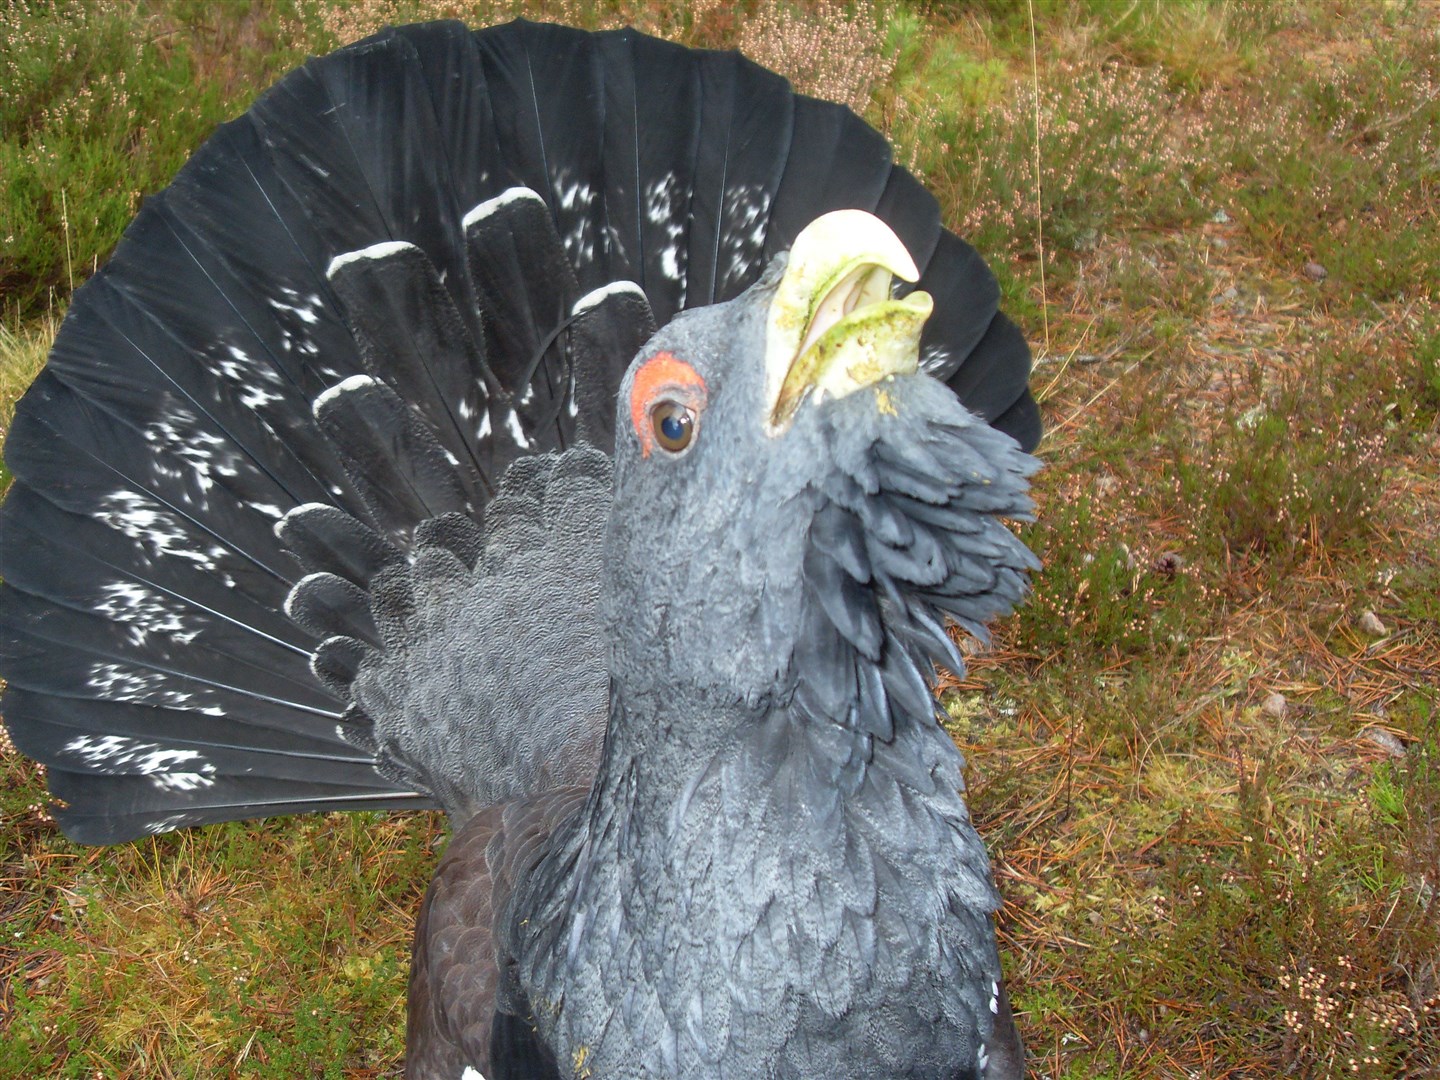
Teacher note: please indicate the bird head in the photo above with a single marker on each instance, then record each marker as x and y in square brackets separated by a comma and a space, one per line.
[797, 505]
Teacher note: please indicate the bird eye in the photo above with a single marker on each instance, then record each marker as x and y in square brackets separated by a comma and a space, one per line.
[673, 424]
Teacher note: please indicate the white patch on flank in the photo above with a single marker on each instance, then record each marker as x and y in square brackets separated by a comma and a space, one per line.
[471, 1074]
[381, 250]
[499, 202]
[354, 382]
[598, 296]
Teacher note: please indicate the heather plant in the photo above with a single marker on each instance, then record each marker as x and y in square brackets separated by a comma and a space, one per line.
[100, 103]
[1288, 477]
[1355, 148]
[1106, 158]
[826, 50]
[1103, 593]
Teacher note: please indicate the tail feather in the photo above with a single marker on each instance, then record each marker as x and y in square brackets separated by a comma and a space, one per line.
[171, 506]
[393, 456]
[913, 213]
[545, 93]
[58, 726]
[836, 161]
[525, 280]
[78, 563]
[957, 273]
[135, 806]
[987, 380]
[411, 336]
[1021, 421]
[652, 138]
[326, 605]
[344, 361]
[256, 295]
[380, 106]
[606, 326]
[70, 654]
[746, 122]
[203, 406]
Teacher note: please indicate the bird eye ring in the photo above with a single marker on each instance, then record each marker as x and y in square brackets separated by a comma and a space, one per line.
[673, 423]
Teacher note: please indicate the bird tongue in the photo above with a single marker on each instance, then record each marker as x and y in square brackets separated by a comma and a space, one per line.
[833, 326]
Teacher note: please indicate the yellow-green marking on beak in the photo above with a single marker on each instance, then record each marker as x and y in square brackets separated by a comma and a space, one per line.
[833, 327]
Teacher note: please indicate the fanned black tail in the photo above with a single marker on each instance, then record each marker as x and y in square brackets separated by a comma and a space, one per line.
[318, 352]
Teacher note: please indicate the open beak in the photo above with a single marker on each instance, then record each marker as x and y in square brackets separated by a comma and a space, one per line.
[833, 326]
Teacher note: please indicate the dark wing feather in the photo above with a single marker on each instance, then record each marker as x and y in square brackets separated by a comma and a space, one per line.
[460, 1013]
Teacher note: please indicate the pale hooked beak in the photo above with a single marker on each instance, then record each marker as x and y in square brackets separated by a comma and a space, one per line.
[833, 327]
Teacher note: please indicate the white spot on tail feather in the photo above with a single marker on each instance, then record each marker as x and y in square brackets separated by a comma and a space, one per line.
[120, 754]
[251, 378]
[747, 212]
[382, 250]
[576, 200]
[146, 611]
[138, 517]
[167, 824]
[303, 308]
[663, 210]
[512, 425]
[181, 781]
